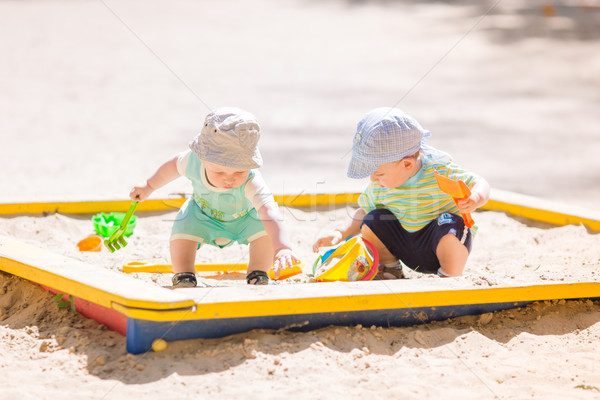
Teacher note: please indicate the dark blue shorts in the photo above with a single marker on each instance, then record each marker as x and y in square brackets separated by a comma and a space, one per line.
[417, 250]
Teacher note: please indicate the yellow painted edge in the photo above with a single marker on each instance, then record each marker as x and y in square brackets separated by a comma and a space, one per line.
[350, 303]
[88, 207]
[93, 207]
[525, 206]
[184, 313]
[313, 200]
[541, 215]
[83, 291]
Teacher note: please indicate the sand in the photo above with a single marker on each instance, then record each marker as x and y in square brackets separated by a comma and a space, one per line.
[94, 95]
[543, 350]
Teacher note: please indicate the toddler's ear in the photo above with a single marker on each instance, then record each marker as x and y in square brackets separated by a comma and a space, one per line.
[408, 163]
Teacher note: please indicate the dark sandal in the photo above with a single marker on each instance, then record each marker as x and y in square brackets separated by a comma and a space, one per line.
[184, 280]
[258, 278]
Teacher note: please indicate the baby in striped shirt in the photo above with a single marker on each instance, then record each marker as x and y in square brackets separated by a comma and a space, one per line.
[403, 212]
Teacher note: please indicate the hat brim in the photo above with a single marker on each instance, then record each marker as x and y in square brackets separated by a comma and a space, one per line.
[359, 169]
[238, 158]
[232, 162]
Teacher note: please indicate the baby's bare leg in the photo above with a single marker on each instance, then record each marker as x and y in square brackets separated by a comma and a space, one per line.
[261, 254]
[452, 255]
[385, 257]
[183, 255]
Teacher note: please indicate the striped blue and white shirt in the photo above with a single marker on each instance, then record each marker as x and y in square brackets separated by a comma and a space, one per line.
[419, 200]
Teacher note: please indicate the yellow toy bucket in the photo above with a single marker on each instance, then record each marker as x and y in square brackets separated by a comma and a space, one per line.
[355, 260]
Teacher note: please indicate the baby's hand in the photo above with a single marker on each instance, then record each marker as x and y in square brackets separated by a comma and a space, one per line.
[140, 192]
[331, 239]
[285, 258]
[470, 204]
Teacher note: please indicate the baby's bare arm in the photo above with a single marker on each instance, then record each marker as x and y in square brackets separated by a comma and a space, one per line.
[350, 228]
[284, 257]
[166, 173]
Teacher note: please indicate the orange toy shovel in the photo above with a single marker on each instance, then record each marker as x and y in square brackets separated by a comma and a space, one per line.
[458, 190]
[222, 269]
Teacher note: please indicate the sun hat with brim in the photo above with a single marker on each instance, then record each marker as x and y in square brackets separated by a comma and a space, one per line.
[229, 138]
[382, 136]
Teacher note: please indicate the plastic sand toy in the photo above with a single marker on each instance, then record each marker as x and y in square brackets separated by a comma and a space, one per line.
[222, 269]
[458, 190]
[106, 224]
[116, 240]
[287, 272]
[354, 260]
[91, 243]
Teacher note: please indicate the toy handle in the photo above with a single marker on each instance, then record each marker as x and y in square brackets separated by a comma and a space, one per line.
[328, 253]
[373, 270]
[467, 192]
[468, 220]
[129, 214]
[120, 231]
[466, 217]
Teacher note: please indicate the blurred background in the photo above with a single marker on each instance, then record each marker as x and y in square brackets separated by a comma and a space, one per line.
[96, 94]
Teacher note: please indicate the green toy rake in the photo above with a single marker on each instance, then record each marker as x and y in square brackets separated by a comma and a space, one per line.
[117, 240]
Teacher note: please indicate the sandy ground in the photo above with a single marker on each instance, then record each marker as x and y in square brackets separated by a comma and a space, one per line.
[546, 350]
[94, 94]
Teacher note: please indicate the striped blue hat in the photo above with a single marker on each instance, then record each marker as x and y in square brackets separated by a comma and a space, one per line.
[382, 136]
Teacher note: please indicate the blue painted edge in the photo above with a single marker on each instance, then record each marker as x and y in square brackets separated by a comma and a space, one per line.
[141, 333]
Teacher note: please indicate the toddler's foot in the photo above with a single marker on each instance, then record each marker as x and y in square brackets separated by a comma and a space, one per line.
[389, 271]
[258, 278]
[184, 280]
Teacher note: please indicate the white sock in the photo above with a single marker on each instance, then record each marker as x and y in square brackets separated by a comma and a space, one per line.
[445, 275]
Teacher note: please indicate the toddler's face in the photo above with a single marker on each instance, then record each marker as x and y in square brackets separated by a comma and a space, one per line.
[396, 173]
[225, 177]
